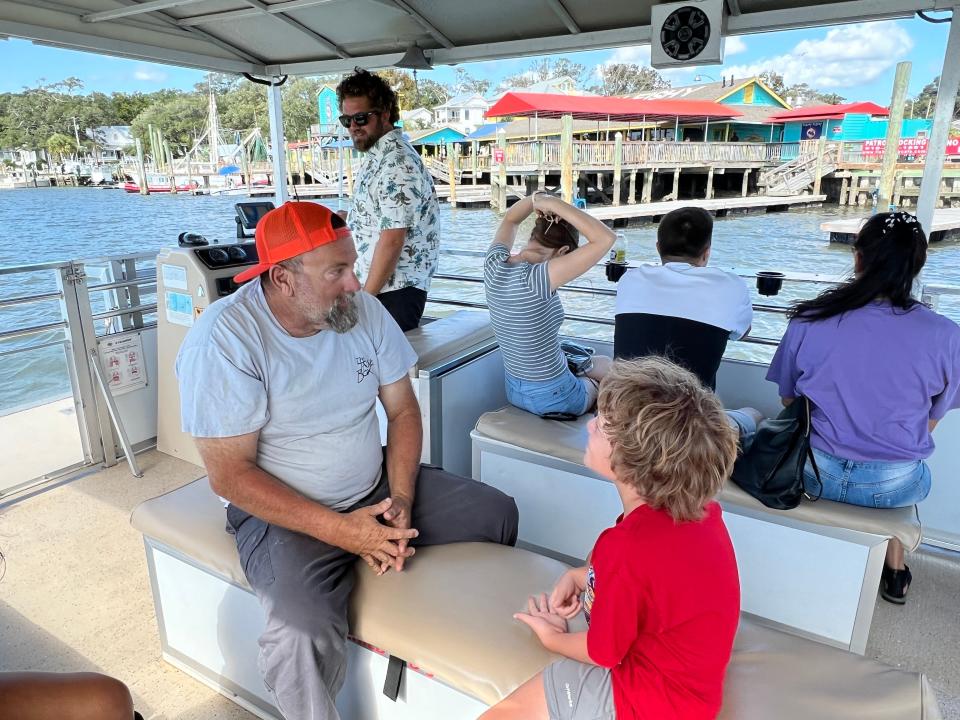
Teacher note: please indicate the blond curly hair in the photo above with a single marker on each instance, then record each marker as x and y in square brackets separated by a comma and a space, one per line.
[670, 438]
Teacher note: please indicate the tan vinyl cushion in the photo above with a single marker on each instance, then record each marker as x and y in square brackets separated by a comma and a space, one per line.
[449, 336]
[192, 520]
[568, 439]
[450, 613]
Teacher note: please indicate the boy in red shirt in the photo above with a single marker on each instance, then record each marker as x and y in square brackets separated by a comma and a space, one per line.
[661, 592]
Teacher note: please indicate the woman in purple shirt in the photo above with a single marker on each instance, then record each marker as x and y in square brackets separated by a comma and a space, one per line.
[880, 370]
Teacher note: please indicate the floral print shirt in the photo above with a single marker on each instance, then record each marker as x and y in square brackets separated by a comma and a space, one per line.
[393, 190]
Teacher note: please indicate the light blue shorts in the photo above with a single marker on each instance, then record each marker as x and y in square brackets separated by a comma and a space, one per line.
[566, 394]
[868, 483]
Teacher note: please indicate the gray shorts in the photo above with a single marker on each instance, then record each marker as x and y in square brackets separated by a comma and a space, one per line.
[576, 691]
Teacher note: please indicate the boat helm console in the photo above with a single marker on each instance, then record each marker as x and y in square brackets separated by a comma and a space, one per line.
[249, 214]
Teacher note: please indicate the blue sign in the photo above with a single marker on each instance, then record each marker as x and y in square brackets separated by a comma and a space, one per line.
[327, 110]
[811, 131]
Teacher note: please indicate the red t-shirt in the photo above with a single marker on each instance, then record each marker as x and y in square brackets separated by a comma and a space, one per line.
[663, 603]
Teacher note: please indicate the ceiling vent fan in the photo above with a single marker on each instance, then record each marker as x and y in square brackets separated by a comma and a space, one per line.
[685, 34]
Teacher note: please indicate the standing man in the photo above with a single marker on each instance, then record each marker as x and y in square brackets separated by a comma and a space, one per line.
[394, 215]
[278, 386]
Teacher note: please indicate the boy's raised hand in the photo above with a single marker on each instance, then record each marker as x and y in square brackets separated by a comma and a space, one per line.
[565, 598]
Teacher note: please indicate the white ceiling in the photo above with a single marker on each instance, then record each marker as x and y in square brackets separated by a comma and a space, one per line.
[278, 37]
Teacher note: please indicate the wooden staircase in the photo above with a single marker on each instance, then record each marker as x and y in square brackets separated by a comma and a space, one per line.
[800, 174]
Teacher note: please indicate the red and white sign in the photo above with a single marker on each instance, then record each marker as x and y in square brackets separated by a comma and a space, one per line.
[916, 147]
[498, 155]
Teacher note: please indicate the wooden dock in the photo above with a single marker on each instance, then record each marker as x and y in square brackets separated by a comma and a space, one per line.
[621, 215]
[946, 226]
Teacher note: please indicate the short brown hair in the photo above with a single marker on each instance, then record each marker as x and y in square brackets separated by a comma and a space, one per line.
[364, 83]
[554, 232]
[669, 435]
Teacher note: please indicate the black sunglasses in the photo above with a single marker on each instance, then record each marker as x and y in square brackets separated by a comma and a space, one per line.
[360, 118]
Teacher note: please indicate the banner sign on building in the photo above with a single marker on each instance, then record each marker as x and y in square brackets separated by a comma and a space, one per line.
[909, 147]
[811, 131]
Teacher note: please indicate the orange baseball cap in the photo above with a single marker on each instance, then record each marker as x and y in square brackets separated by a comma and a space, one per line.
[290, 230]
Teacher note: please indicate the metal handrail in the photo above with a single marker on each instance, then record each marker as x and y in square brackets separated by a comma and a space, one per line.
[26, 299]
[28, 348]
[32, 330]
[145, 309]
[750, 339]
[140, 280]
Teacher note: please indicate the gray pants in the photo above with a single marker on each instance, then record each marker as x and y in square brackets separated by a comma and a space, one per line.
[304, 585]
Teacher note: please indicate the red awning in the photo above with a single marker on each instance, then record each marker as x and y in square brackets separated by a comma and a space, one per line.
[585, 107]
[828, 112]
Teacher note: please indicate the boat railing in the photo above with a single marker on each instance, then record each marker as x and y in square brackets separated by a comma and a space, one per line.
[608, 290]
[73, 306]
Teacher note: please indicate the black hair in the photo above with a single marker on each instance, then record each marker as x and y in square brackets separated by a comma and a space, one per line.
[554, 232]
[337, 222]
[685, 232]
[892, 249]
[364, 83]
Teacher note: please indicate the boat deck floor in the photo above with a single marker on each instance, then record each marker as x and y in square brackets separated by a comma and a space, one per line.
[76, 597]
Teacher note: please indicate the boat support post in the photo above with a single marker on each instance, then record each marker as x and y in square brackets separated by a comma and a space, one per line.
[115, 415]
[936, 148]
[277, 143]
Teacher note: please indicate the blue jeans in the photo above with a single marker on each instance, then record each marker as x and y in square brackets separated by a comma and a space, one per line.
[869, 483]
[565, 394]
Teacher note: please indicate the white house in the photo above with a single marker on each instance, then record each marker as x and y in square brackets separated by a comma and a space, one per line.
[463, 112]
[417, 118]
[111, 140]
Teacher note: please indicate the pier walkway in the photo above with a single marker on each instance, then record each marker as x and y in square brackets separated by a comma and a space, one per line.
[946, 226]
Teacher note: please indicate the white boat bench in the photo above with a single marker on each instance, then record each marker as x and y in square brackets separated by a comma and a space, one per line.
[813, 570]
[449, 616]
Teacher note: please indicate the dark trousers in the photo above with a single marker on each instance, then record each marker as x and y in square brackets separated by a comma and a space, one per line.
[406, 306]
[304, 585]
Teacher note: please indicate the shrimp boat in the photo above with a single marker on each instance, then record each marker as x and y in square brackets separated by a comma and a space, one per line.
[166, 596]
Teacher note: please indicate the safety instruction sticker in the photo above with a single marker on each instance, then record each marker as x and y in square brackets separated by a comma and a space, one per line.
[179, 307]
[123, 363]
[174, 277]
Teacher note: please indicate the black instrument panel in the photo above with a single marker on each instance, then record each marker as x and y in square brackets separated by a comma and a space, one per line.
[218, 257]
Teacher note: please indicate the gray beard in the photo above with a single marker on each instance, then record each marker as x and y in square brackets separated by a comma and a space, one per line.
[344, 314]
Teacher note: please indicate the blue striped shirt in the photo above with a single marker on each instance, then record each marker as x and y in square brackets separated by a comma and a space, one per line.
[526, 316]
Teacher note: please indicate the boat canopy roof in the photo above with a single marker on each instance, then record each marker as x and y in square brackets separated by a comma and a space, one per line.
[596, 107]
[302, 37]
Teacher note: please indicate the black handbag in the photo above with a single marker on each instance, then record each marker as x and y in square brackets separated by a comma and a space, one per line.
[772, 469]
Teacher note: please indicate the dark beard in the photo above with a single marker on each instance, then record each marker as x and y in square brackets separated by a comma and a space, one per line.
[344, 314]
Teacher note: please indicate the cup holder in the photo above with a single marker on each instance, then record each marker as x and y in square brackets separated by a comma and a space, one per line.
[769, 282]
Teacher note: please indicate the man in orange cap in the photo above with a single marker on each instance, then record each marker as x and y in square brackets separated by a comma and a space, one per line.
[278, 385]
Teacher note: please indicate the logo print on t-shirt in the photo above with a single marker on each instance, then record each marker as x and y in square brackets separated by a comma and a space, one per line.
[364, 368]
[589, 593]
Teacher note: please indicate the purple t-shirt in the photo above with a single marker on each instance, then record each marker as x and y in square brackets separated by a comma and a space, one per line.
[875, 376]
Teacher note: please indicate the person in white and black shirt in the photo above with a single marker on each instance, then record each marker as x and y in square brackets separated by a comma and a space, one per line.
[682, 309]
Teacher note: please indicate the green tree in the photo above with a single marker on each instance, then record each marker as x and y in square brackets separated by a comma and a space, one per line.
[925, 103]
[628, 79]
[181, 119]
[432, 93]
[465, 83]
[774, 81]
[61, 145]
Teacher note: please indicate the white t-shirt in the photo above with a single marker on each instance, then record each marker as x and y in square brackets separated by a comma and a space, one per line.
[313, 399]
[677, 289]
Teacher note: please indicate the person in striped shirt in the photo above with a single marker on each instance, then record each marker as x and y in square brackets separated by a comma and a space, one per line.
[526, 311]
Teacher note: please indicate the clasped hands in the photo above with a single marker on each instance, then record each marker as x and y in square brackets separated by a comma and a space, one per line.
[382, 545]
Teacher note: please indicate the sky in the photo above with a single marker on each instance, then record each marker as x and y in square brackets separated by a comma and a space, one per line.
[856, 61]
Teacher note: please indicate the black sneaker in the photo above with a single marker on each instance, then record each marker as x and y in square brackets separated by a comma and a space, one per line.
[894, 584]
